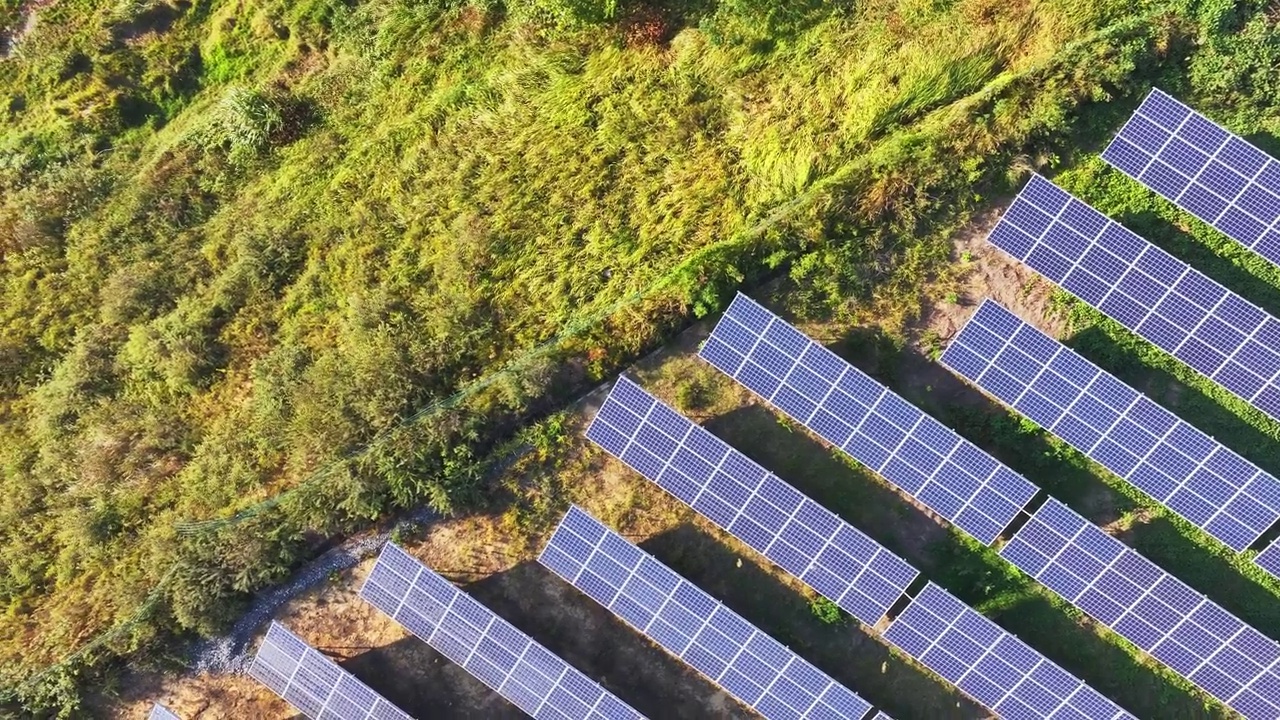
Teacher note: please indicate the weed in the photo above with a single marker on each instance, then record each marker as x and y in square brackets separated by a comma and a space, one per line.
[828, 612]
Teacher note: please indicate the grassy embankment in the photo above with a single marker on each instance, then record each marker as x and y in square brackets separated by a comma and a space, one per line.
[241, 240]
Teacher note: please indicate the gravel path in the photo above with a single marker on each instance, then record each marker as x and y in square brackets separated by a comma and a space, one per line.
[229, 653]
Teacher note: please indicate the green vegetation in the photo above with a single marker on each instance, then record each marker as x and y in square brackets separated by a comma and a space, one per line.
[272, 271]
[828, 612]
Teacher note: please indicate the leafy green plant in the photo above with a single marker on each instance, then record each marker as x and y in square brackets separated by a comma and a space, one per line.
[827, 611]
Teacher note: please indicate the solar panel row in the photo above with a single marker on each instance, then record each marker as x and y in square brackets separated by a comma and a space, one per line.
[693, 626]
[317, 686]
[1172, 305]
[160, 712]
[1203, 169]
[1152, 609]
[866, 420]
[735, 493]
[992, 666]
[1183, 468]
[494, 651]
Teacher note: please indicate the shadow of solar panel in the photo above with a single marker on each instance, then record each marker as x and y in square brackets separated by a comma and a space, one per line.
[1269, 559]
[1149, 607]
[693, 626]
[160, 712]
[993, 667]
[317, 686]
[866, 420]
[1202, 168]
[1170, 304]
[491, 649]
[773, 518]
[1133, 437]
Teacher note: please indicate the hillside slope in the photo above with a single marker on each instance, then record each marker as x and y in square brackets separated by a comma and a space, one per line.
[244, 244]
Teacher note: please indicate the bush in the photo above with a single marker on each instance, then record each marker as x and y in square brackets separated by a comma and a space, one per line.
[244, 123]
[565, 14]
[827, 611]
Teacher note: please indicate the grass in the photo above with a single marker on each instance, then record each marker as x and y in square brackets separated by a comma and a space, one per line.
[188, 329]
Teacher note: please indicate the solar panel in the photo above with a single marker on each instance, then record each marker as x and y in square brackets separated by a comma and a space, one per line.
[1167, 302]
[317, 686]
[1202, 168]
[494, 651]
[160, 712]
[866, 420]
[990, 665]
[690, 624]
[1133, 437]
[1150, 608]
[772, 517]
[1269, 559]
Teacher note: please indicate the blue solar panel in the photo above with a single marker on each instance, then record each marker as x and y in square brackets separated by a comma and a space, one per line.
[866, 420]
[690, 624]
[160, 712]
[1161, 298]
[1203, 169]
[1183, 468]
[731, 490]
[990, 665]
[493, 650]
[1152, 609]
[317, 686]
[1269, 559]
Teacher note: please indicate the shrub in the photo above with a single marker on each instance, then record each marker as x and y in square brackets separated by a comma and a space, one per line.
[827, 611]
[565, 14]
[244, 123]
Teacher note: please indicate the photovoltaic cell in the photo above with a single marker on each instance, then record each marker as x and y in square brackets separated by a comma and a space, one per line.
[1161, 298]
[773, 518]
[160, 712]
[493, 650]
[1186, 470]
[1152, 609]
[1269, 559]
[693, 626]
[317, 686]
[1202, 168]
[990, 665]
[866, 420]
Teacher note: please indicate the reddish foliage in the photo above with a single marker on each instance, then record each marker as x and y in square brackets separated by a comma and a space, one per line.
[646, 27]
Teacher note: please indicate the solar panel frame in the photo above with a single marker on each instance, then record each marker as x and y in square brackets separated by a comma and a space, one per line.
[493, 650]
[1141, 602]
[751, 503]
[1203, 168]
[1188, 471]
[867, 421]
[693, 626]
[312, 683]
[990, 665]
[1161, 298]
[160, 712]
